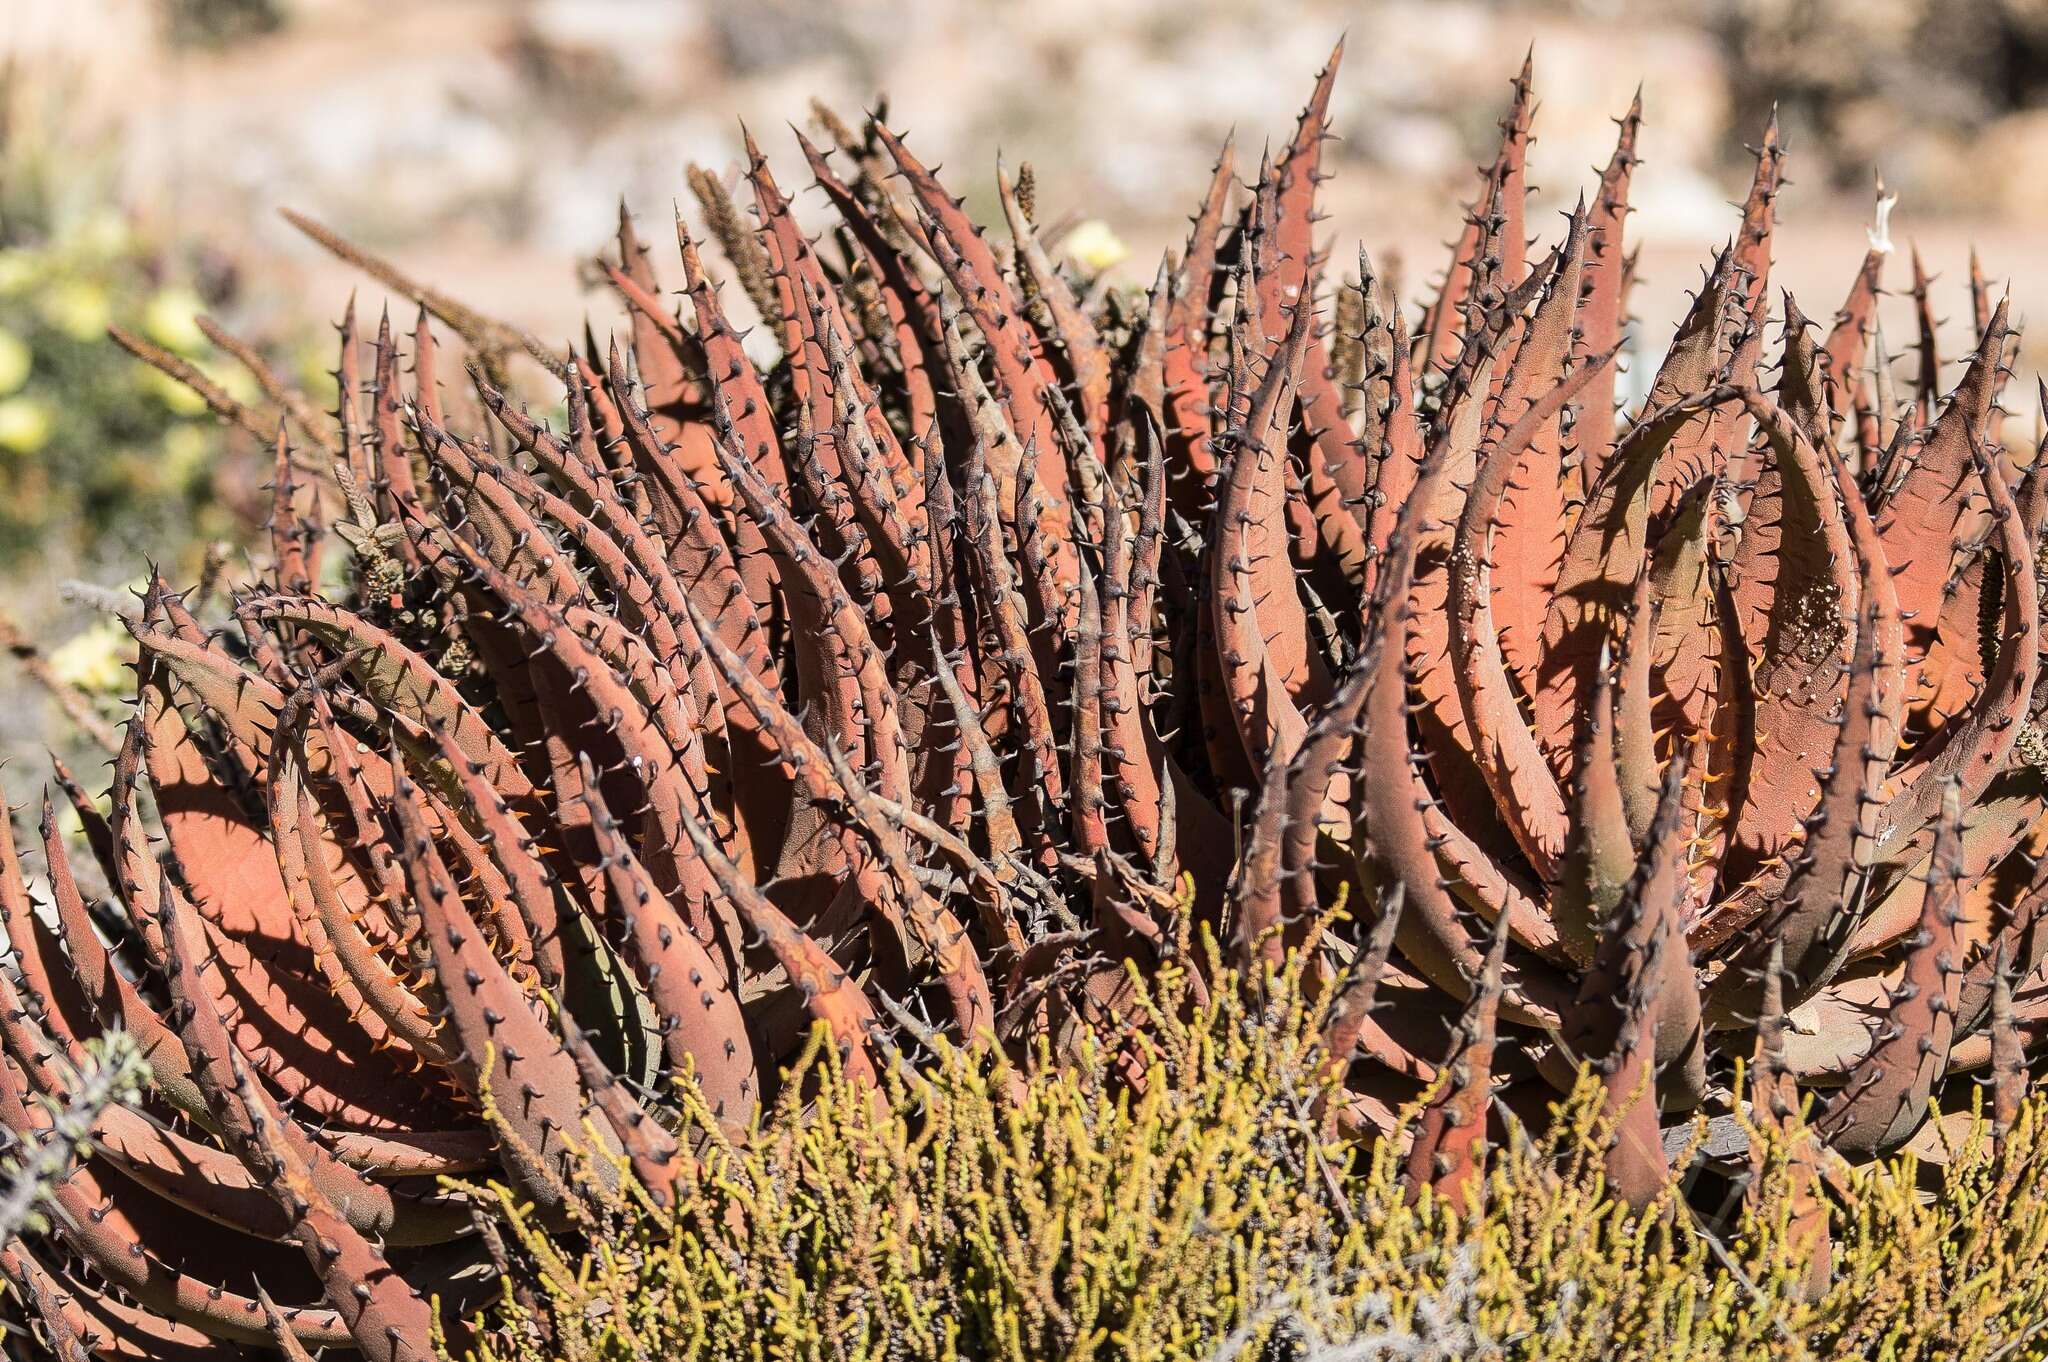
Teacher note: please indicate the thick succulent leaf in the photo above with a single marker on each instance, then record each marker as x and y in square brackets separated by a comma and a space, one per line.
[1884, 1099]
[1447, 1150]
[1922, 502]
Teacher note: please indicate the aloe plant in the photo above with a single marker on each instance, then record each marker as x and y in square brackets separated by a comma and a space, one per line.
[947, 657]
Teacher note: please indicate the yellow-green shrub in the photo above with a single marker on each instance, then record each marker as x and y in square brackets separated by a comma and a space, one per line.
[979, 1211]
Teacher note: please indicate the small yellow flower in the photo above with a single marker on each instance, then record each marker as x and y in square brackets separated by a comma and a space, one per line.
[94, 660]
[1094, 247]
[77, 307]
[171, 320]
[15, 361]
[18, 271]
[24, 424]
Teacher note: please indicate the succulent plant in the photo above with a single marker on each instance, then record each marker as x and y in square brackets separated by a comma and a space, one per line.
[943, 659]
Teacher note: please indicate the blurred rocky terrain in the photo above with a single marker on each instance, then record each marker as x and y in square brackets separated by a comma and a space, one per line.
[486, 144]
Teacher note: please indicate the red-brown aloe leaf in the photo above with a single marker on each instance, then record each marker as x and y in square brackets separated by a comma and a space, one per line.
[1505, 750]
[244, 702]
[888, 496]
[1603, 556]
[1357, 989]
[888, 882]
[492, 821]
[281, 1335]
[1721, 341]
[256, 1128]
[1631, 1007]
[995, 581]
[390, 459]
[1974, 747]
[95, 1219]
[303, 1039]
[1394, 441]
[1774, 1106]
[1953, 674]
[839, 667]
[1087, 810]
[833, 997]
[913, 312]
[650, 599]
[1341, 470]
[102, 1326]
[1531, 510]
[702, 1029]
[658, 347]
[1927, 369]
[1289, 277]
[796, 271]
[1087, 361]
[1920, 508]
[1802, 378]
[1635, 737]
[1797, 585]
[1885, 1097]
[1870, 752]
[1869, 758]
[1848, 339]
[667, 692]
[1759, 213]
[1292, 281]
[1021, 372]
[1504, 182]
[1271, 673]
[1603, 311]
[1256, 935]
[1982, 311]
[1706, 450]
[653, 1151]
[39, 1291]
[425, 371]
[1184, 357]
[1442, 728]
[387, 1317]
[2009, 1076]
[597, 433]
[730, 372]
[598, 711]
[195, 1176]
[1448, 1148]
[474, 494]
[1132, 752]
[734, 582]
[2015, 924]
[400, 680]
[289, 532]
[328, 898]
[1804, 930]
[76, 998]
[1400, 826]
[507, 1056]
[1599, 856]
[348, 414]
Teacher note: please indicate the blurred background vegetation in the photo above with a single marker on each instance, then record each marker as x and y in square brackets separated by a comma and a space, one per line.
[485, 144]
[97, 454]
